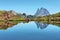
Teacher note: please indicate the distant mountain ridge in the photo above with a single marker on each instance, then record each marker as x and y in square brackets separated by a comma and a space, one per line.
[42, 12]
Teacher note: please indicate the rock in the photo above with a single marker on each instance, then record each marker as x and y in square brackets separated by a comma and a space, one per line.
[42, 12]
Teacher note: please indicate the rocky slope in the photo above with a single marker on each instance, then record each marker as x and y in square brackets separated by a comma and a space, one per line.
[42, 12]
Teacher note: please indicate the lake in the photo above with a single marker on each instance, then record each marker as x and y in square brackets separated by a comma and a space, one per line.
[29, 31]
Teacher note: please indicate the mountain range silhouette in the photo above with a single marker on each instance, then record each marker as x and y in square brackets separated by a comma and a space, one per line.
[42, 12]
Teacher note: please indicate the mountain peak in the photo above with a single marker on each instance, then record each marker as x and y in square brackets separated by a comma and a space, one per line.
[42, 12]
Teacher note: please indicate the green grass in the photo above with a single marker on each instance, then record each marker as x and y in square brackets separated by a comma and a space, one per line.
[16, 18]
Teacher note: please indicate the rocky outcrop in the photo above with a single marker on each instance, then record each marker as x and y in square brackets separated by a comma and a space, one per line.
[42, 12]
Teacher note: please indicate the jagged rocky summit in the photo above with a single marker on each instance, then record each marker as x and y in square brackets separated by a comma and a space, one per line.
[42, 12]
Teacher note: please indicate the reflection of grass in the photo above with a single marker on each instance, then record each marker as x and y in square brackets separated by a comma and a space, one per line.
[8, 24]
[14, 22]
[57, 23]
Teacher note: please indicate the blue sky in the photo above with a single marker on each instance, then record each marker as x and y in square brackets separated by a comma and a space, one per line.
[30, 6]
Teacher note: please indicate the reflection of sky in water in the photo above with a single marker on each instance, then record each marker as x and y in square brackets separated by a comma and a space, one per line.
[29, 31]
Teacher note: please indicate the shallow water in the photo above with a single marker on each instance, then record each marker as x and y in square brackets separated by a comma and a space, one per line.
[30, 31]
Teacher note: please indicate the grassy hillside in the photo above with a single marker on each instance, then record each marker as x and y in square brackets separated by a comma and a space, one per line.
[5, 15]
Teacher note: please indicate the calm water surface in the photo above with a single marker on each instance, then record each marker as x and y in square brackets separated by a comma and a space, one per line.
[31, 31]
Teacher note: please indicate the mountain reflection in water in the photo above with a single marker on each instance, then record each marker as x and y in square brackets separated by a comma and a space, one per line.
[41, 25]
[44, 24]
